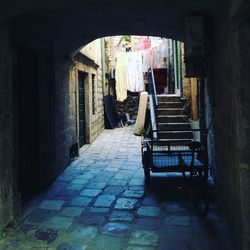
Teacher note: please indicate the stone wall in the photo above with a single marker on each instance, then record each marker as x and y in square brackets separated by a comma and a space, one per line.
[65, 127]
[185, 81]
[231, 90]
[7, 153]
[94, 122]
[57, 114]
[130, 105]
[39, 42]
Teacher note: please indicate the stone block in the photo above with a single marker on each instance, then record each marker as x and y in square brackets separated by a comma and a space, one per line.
[80, 201]
[144, 237]
[51, 204]
[104, 200]
[72, 211]
[116, 229]
[121, 216]
[125, 203]
[84, 233]
[59, 222]
[90, 192]
[149, 211]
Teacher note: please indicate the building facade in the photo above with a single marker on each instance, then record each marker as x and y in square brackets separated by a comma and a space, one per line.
[86, 88]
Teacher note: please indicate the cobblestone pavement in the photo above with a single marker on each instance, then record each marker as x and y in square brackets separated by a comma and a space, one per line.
[100, 202]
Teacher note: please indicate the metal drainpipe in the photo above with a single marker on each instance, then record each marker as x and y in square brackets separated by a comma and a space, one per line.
[175, 67]
[103, 64]
[180, 69]
[202, 117]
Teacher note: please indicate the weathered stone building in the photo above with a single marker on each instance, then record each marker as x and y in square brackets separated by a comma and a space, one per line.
[38, 42]
[88, 65]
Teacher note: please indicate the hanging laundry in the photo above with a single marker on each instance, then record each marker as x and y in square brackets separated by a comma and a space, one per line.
[163, 52]
[146, 62]
[155, 58]
[121, 77]
[155, 41]
[135, 81]
[158, 56]
[145, 43]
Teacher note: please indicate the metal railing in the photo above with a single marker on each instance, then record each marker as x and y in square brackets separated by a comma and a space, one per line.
[199, 135]
[153, 101]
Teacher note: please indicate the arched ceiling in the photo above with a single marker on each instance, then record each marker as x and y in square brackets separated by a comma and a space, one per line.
[77, 22]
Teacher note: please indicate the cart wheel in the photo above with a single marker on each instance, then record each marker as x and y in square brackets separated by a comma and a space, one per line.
[199, 196]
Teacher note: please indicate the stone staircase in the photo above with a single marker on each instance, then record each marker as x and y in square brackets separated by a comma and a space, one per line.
[173, 122]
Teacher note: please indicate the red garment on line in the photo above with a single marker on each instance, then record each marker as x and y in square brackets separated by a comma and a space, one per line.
[161, 78]
[145, 43]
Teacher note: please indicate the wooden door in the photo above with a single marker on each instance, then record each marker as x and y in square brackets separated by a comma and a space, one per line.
[27, 93]
[82, 120]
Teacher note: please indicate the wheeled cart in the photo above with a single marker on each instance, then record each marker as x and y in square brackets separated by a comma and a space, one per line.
[186, 157]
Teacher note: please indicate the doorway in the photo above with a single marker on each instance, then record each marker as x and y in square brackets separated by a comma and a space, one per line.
[27, 94]
[82, 119]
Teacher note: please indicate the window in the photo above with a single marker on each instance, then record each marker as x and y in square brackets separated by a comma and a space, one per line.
[93, 94]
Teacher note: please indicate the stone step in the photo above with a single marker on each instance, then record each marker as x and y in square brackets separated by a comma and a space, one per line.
[170, 104]
[183, 100]
[172, 118]
[174, 126]
[172, 111]
[175, 134]
[165, 98]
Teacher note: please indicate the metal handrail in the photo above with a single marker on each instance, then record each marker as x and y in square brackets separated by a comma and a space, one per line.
[152, 89]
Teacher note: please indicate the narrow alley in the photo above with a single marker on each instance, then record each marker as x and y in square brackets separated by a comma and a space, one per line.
[100, 202]
[71, 70]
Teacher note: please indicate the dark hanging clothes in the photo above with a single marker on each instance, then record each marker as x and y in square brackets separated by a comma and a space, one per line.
[161, 79]
[110, 115]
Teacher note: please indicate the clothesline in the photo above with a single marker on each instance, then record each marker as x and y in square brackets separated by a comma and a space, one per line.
[130, 67]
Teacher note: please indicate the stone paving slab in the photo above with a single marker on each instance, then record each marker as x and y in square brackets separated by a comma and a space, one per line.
[118, 182]
[125, 203]
[86, 233]
[90, 192]
[58, 222]
[133, 194]
[71, 245]
[98, 209]
[148, 223]
[144, 237]
[104, 200]
[92, 219]
[100, 202]
[115, 190]
[96, 185]
[51, 204]
[80, 201]
[38, 215]
[178, 220]
[110, 243]
[75, 187]
[140, 248]
[121, 216]
[116, 229]
[149, 211]
[72, 211]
